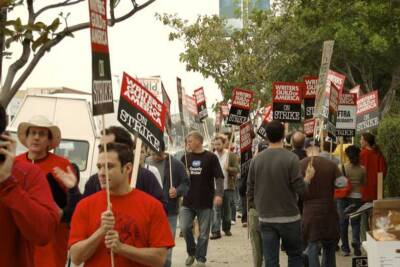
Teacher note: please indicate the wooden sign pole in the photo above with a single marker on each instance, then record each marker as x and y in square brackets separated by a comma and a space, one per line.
[136, 161]
[170, 165]
[380, 185]
[107, 180]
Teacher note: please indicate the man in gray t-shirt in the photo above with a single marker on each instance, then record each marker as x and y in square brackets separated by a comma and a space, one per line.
[273, 185]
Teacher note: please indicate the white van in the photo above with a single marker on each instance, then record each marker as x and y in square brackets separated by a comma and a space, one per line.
[73, 115]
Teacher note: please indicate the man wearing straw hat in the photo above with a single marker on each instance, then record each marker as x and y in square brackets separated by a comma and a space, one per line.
[28, 214]
[40, 136]
[175, 185]
[136, 230]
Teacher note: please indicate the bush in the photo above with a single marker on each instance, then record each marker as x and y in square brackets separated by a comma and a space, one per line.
[388, 138]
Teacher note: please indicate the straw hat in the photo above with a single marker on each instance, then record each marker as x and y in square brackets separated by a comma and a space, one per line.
[39, 121]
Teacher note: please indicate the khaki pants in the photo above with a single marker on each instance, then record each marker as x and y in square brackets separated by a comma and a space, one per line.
[255, 237]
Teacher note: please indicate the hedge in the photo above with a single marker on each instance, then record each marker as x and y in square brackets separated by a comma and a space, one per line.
[389, 140]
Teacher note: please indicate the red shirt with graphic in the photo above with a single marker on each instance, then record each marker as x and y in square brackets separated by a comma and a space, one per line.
[55, 253]
[139, 219]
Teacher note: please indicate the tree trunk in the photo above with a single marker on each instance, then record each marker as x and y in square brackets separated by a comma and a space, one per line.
[391, 94]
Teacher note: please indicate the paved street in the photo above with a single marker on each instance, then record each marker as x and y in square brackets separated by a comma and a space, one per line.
[234, 251]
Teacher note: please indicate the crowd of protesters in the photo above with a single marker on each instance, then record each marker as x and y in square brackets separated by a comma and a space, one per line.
[288, 198]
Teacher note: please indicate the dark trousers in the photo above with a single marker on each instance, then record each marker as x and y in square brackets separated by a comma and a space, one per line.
[344, 219]
[290, 233]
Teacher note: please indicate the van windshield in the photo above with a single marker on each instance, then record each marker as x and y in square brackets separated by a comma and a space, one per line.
[74, 150]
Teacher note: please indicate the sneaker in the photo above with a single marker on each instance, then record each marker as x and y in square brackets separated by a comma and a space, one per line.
[201, 264]
[345, 253]
[216, 235]
[233, 222]
[228, 233]
[189, 261]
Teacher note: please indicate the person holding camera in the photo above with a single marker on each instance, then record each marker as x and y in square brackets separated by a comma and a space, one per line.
[28, 213]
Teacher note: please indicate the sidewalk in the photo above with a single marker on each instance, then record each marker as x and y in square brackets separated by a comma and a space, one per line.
[234, 251]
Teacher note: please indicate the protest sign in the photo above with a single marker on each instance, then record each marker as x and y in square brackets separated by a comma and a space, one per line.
[246, 141]
[154, 85]
[320, 99]
[356, 90]
[167, 104]
[286, 98]
[201, 103]
[368, 112]
[346, 115]
[310, 90]
[240, 107]
[337, 79]
[141, 113]
[309, 126]
[180, 99]
[102, 94]
[266, 118]
[224, 109]
[333, 108]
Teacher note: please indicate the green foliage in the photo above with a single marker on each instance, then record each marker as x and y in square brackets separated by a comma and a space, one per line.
[388, 138]
[286, 44]
[39, 33]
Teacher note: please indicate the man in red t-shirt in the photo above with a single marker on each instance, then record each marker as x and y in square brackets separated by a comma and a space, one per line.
[28, 215]
[39, 135]
[136, 230]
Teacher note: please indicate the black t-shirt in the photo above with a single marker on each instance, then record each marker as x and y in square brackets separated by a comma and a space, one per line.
[203, 168]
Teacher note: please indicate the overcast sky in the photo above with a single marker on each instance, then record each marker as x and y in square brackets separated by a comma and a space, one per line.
[138, 46]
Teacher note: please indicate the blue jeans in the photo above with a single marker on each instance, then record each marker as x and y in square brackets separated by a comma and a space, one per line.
[172, 220]
[187, 215]
[290, 233]
[216, 219]
[328, 253]
[229, 196]
[342, 204]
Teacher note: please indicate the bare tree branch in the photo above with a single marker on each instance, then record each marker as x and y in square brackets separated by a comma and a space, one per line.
[9, 88]
[60, 4]
[350, 75]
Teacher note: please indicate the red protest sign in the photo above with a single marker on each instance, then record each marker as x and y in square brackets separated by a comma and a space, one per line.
[368, 112]
[240, 107]
[224, 109]
[367, 102]
[102, 95]
[141, 112]
[311, 86]
[309, 96]
[266, 118]
[201, 103]
[286, 97]
[246, 144]
[337, 79]
[309, 126]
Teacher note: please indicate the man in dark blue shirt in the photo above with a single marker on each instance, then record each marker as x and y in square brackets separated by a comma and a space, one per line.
[146, 181]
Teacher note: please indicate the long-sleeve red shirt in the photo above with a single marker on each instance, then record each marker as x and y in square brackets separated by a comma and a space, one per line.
[28, 215]
[374, 163]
